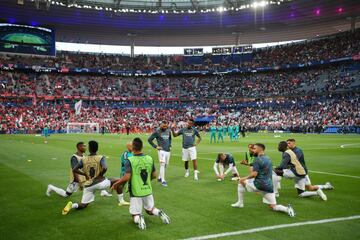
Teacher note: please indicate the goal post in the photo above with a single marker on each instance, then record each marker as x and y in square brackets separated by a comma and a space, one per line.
[75, 127]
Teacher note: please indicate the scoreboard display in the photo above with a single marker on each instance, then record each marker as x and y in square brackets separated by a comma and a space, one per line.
[25, 39]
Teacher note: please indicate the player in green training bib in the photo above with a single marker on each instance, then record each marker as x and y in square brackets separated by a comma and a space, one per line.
[213, 133]
[139, 171]
[220, 133]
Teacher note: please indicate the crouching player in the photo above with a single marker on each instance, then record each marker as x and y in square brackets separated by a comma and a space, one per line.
[291, 168]
[260, 180]
[93, 167]
[76, 180]
[140, 170]
[225, 160]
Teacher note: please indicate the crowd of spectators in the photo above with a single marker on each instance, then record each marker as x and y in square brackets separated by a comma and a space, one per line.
[334, 46]
[265, 84]
[281, 114]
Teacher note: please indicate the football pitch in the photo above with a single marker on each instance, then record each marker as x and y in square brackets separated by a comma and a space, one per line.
[201, 208]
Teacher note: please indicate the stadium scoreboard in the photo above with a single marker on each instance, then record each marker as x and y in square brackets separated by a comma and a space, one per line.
[232, 50]
[23, 39]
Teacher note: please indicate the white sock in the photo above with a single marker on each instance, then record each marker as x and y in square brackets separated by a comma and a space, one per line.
[155, 211]
[241, 191]
[280, 208]
[136, 219]
[196, 173]
[59, 191]
[121, 197]
[275, 183]
[75, 205]
[308, 194]
[162, 171]
[323, 186]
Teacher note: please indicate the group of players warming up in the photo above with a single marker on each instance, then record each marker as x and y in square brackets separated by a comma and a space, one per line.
[138, 169]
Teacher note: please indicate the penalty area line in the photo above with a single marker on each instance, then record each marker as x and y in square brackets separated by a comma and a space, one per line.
[269, 228]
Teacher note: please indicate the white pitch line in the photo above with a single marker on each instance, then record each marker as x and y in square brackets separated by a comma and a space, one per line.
[268, 228]
[336, 174]
[350, 144]
[319, 172]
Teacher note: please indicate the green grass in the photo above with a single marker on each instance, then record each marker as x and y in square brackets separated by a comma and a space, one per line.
[196, 208]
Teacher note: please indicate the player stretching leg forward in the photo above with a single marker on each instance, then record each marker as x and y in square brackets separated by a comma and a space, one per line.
[124, 156]
[223, 160]
[189, 146]
[300, 155]
[140, 170]
[76, 180]
[291, 168]
[260, 180]
[213, 133]
[93, 168]
[163, 138]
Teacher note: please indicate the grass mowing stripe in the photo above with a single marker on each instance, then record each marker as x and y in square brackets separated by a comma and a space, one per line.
[261, 229]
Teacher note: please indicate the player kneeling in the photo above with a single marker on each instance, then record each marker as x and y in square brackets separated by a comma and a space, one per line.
[260, 180]
[93, 168]
[139, 171]
[225, 160]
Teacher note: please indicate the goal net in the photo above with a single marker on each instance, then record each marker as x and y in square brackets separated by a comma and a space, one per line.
[82, 127]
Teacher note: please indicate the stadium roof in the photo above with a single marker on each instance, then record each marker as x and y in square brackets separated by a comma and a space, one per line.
[292, 20]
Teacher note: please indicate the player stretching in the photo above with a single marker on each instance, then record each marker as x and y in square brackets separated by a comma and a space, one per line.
[213, 133]
[163, 138]
[223, 160]
[93, 168]
[140, 170]
[260, 180]
[188, 145]
[291, 168]
[300, 155]
[249, 156]
[76, 180]
[124, 156]
[220, 133]
[231, 132]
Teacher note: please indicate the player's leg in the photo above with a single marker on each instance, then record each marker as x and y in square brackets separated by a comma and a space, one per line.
[87, 197]
[135, 210]
[300, 184]
[310, 187]
[276, 182]
[235, 173]
[150, 209]
[185, 158]
[240, 192]
[59, 191]
[166, 158]
[193, 157]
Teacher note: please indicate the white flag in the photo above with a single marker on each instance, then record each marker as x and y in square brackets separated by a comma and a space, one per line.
[78, 107]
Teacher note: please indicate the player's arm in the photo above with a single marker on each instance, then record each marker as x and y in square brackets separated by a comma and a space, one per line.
[151, 140]
[174, 133]
[253, 171]
[245, 161]
[286, 159]
[153, 172]
[197, 134]
[216, 165]
[73, 163]
[103, 167]
[76, 169]
[125, 178]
